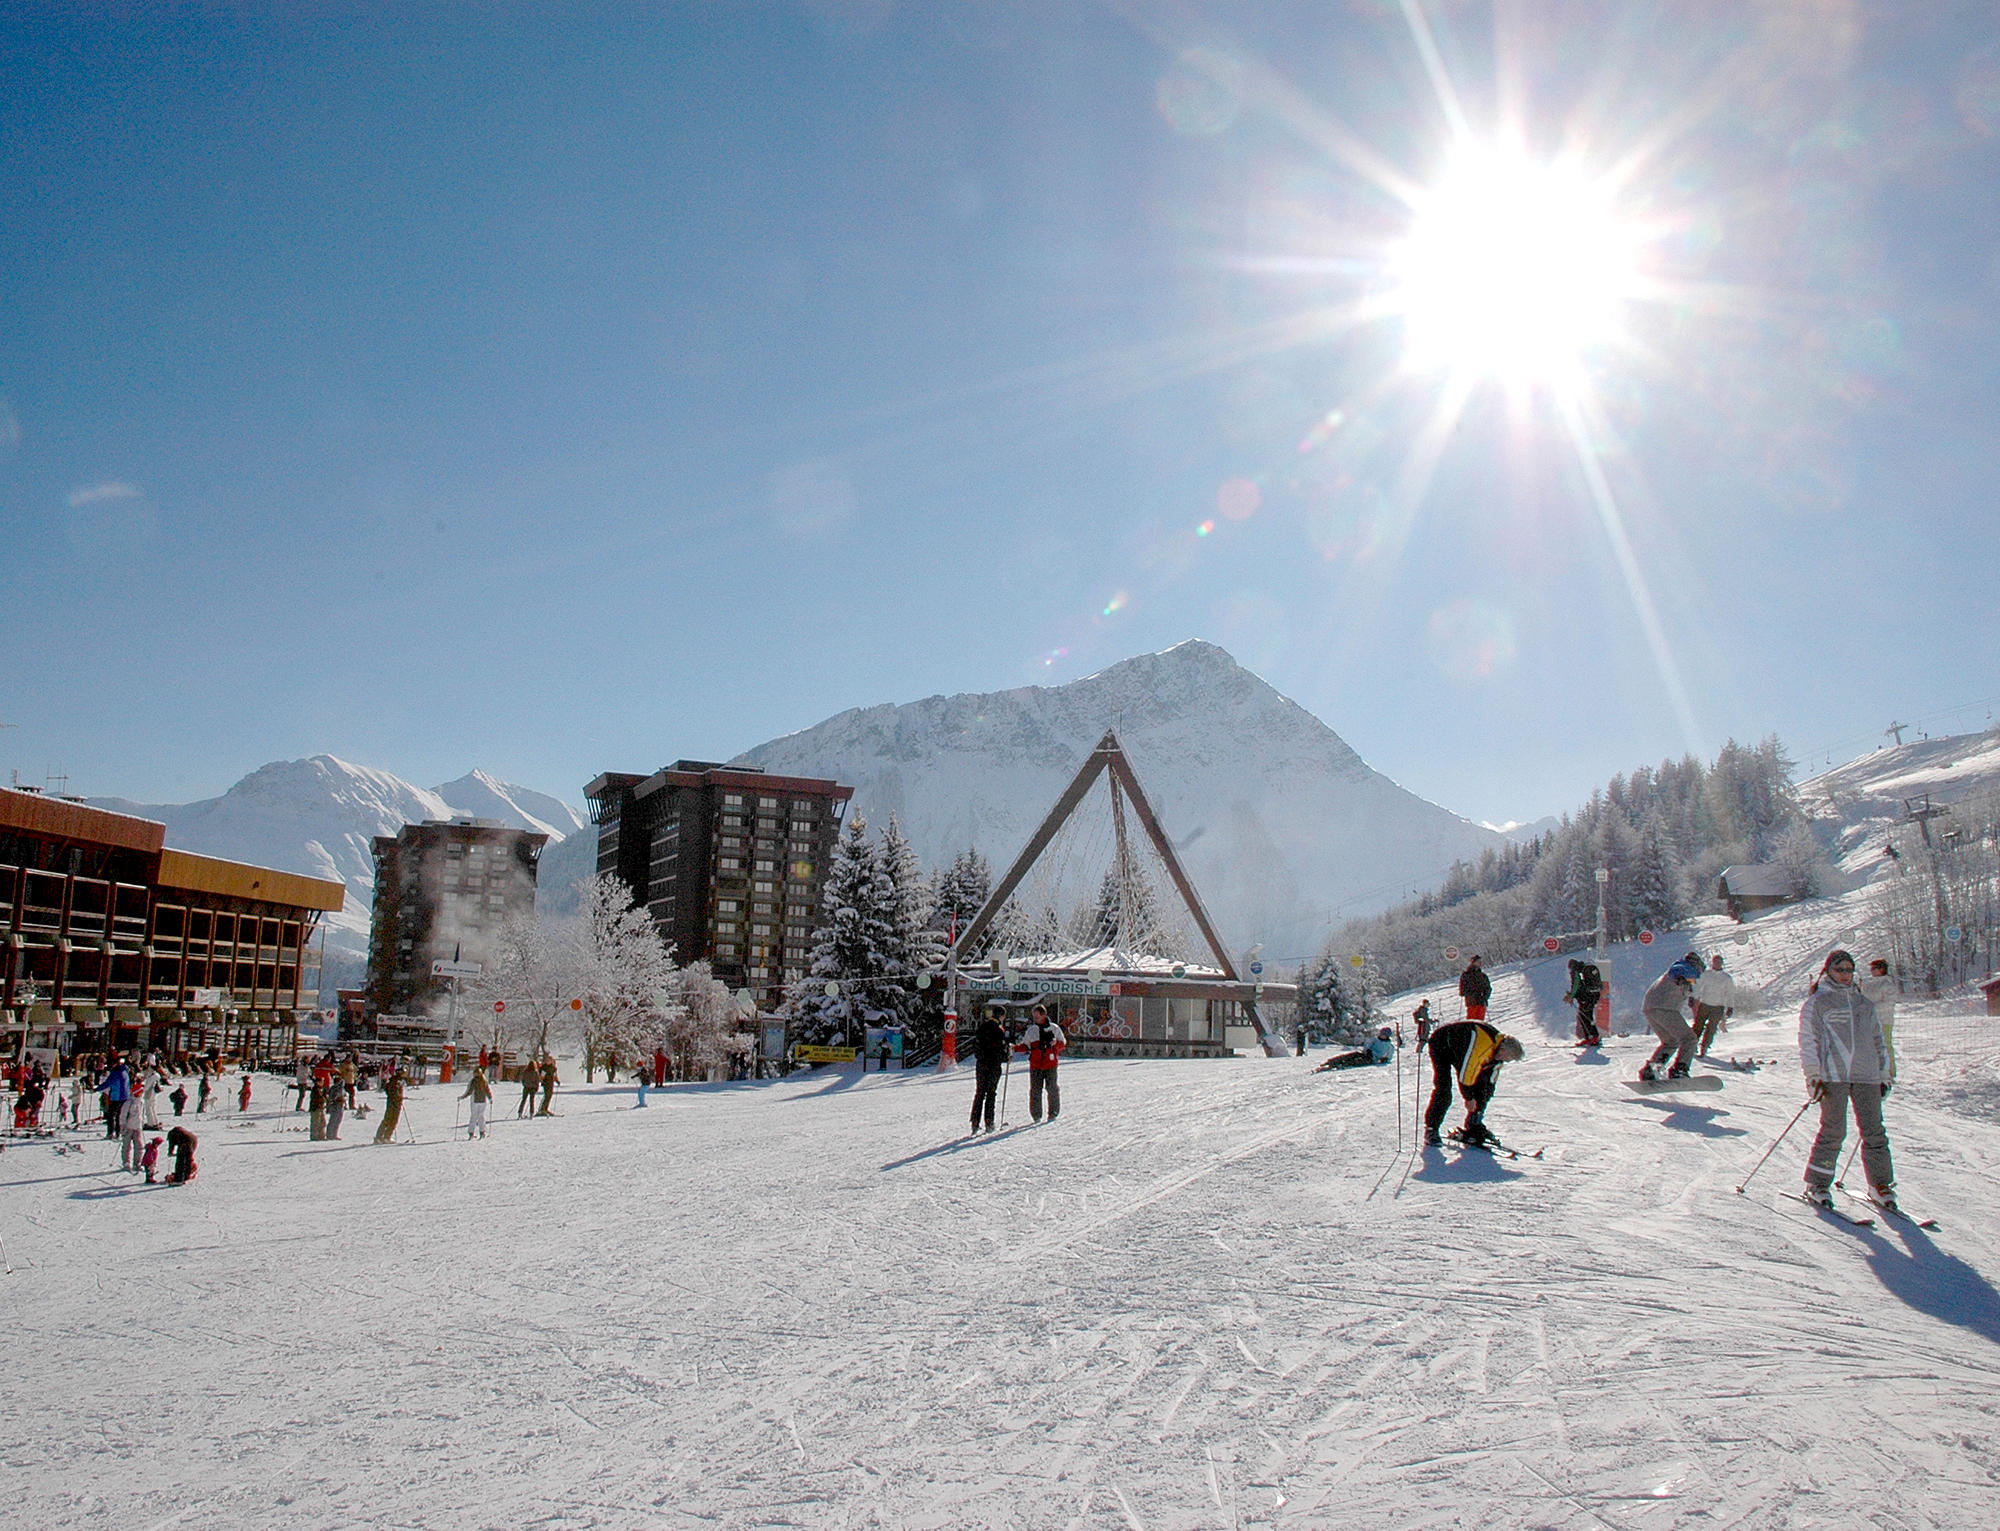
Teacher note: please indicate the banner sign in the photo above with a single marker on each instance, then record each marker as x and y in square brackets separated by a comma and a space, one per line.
[1021, 984]
[807, 1053]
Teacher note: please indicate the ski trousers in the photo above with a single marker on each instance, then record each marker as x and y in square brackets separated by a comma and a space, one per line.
[131, 1149]
[1676, 1038]
[1444, 1069]
[1586, 1021]
[1042, 1082]
[1707, 1022]
[985, 1093]
[475, 1124]
[1866, 1102]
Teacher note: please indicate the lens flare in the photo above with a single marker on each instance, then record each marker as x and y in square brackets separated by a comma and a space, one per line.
[1115, 605]
[1204, 529]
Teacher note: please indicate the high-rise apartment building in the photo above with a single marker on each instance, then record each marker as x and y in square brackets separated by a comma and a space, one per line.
[729, 861]
[443, 890]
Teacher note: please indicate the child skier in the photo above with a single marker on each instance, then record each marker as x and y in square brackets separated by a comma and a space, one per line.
[243, 1095]
[151, 1157]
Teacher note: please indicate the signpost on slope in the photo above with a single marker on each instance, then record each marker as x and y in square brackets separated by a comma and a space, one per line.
[455, 971]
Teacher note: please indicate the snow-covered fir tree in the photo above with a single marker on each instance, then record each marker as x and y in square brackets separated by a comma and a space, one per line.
[1652, 899]
[852, 950]
[624, 973]
[913, 947]
[960, 892]
[1334, 1003]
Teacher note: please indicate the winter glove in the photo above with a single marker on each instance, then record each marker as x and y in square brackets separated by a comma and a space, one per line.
[1818, 1091]
[1885, 1087]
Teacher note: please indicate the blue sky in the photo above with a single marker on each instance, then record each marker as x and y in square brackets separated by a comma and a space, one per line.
[560, 389]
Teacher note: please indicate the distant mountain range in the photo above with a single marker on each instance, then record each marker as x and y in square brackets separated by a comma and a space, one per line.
[319, 815]
[1283, 828]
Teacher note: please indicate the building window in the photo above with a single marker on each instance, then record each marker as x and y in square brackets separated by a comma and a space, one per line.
[760, 930]
[732, 800]
[767, 805]
[731, 863]
[767, 866]
[760, 887]
[725, 906]
[802, 869]
[725, 927]
[725, 949]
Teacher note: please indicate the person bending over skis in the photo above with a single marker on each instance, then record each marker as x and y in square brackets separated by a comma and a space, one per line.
[1586, 987]
[1474, 1052]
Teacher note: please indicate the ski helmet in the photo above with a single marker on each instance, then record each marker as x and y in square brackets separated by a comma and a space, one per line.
[1685, 971]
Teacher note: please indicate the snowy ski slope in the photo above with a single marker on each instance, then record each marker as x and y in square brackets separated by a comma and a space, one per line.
[1216, 1293]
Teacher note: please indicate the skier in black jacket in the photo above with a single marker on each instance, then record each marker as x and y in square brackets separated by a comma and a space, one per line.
[1586, 986]
[989, 1054]
[1475, 988]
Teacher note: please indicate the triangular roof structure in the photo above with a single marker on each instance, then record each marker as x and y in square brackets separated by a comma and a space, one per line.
[1109, 755]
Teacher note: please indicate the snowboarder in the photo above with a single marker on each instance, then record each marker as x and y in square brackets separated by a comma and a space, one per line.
[989, 1053]
[1586, 988]
[1664, 1007]
[1714, 1003]
[531, 1081]
[1474, 1052]
[181, 1143]
[392, 1090]
[481, 1094]
[1043, 1042]
[1475, 988]
[1846, 1061]
[1380, 1049]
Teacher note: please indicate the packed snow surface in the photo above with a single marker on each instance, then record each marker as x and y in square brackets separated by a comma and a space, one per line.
[1215, 1293]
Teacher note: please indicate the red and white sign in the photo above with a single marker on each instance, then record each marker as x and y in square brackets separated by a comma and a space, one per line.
[1645, 938]
[1451, 954]
[499, 1005]
[1551, 944]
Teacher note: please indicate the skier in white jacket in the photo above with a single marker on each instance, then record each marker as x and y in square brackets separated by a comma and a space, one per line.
[1847, 1064]
[1882, 990]
[1714, 1003]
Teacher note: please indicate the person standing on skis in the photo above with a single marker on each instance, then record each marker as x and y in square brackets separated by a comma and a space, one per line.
[1586, 987]
[989, 1056]
[1665, 1007]
[531, 1081]
[1475, 988]
[1043, 1042]
[1473, 1051]
[1847, 1065]
[481, 1093]
[1882, 990]
[1714, 1003]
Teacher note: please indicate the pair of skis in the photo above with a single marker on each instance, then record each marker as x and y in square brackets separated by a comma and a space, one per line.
[1856, 1220]
[1490, 1145]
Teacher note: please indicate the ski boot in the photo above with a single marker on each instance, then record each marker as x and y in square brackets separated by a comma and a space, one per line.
[1677, 1073]
[1648, 1074]
[1886, 1200]
[1818, 1195]
[1431, 1138]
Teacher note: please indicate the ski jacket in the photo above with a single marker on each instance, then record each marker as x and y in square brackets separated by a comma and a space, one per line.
[1381, 1050]
[1468, 1046]
[1840, 1037]
[1474, 987]
[117, 1085]
[1586, 984]
[1667, 996]
[989, 1044]
[479, 1089]
[1715, 987]
[1043, 1045]
[131, 1118]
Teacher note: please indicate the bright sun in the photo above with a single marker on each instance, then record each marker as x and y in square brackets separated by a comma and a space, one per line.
[1513, 270]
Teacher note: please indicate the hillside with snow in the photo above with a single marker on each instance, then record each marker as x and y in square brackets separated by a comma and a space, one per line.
[1282, 826]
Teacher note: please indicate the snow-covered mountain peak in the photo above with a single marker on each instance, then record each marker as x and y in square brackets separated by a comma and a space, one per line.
[480, 796]
[1285, 828]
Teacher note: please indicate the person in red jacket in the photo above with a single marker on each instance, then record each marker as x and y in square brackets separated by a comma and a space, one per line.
[1043, 1042]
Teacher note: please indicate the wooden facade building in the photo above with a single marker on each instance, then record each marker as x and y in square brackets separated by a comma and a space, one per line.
[110, 938]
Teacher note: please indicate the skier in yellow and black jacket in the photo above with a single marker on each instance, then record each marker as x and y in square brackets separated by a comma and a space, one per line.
[1473, 1051]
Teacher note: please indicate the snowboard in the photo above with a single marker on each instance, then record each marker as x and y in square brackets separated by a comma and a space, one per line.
[1667, 1086]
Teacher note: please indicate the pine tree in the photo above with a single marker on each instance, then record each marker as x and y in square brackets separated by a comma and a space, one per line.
[1334, 1005]
[960, 893]
[1652, 898]
[852, 949]
[913, 948]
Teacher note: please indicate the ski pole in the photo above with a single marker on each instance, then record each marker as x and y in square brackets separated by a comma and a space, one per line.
[1842, 1181]
[1399, 1084]
[1774, 1145]
[1006, 1070]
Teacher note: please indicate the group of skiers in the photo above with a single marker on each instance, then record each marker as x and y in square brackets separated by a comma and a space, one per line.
[1043, 1041]
[1846, 1051]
